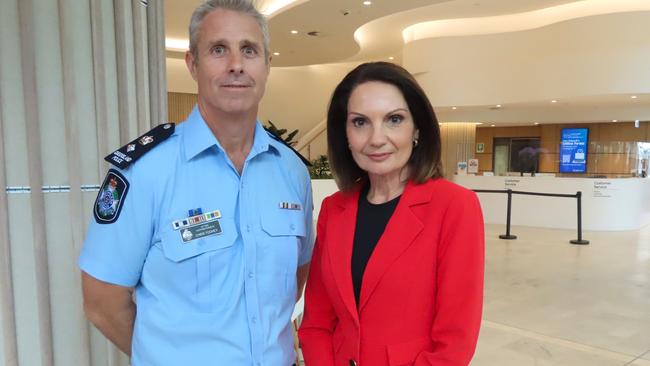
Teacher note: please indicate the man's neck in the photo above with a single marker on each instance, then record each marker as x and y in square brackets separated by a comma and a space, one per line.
[235, 133]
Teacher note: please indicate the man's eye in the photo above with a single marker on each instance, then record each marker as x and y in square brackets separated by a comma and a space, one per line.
[218, 50]
[249, 51]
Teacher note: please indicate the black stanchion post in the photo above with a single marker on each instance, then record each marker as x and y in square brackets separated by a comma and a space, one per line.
[579, 241]
[507, 235]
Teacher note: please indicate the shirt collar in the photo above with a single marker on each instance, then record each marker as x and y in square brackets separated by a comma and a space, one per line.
[198, 137]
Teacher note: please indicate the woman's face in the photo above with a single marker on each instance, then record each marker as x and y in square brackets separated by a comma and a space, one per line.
[380, 129]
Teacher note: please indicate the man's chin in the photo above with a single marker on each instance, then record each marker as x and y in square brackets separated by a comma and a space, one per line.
[236, 109]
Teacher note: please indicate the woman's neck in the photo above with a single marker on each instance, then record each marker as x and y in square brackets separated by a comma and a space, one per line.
[385, 188]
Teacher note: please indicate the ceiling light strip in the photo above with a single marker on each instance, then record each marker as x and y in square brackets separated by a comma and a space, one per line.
[520, 21]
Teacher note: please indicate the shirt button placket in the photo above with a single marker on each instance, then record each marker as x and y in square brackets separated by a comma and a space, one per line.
[250, 286]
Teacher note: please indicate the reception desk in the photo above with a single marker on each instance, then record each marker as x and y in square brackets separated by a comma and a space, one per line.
[607, 204]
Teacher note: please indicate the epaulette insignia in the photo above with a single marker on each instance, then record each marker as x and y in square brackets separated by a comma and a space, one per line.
[129, 153]
[276, 138]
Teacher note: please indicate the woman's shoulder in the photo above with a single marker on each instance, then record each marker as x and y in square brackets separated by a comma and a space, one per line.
[343, 197]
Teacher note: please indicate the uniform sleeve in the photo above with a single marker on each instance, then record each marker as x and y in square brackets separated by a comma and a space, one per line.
[307, 242]
[459, 298]
[115, 252]
[319, 319]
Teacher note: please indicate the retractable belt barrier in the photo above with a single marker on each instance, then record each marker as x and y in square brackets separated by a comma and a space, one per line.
[510, 192]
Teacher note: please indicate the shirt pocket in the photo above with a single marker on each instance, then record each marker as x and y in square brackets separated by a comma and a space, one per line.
[283, 231]
[208, 266]
[284, 223]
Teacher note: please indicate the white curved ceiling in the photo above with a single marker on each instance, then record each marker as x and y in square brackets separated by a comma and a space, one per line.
[350, 31]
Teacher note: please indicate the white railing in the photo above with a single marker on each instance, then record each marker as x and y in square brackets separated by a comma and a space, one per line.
[306, 140]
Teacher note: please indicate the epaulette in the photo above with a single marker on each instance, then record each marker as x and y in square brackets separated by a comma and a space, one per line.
[129, 153]
[276, 138]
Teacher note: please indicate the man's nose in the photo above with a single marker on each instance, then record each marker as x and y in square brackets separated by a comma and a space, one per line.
[236, 65]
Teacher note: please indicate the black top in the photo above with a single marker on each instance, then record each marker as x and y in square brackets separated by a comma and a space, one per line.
[371, 222]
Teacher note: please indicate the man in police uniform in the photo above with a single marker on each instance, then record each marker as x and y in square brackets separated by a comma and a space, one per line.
[209, 222]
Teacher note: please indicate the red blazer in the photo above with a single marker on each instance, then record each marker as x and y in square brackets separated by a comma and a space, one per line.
[422, 292]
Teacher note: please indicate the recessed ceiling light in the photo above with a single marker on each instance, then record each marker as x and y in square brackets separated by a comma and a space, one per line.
[614, 120]
[276, 53]
[391, 58]
[536, 123]
[454, 108]
[492, 125]
[367, 2]
[294, 32]
[633, 97]
[554, 101]
[498, 105]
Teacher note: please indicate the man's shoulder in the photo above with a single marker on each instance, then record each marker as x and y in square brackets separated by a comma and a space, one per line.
[154, 149]
[146, 144]
[286, 151]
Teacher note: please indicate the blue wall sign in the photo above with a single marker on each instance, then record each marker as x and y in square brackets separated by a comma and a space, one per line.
[573, 150]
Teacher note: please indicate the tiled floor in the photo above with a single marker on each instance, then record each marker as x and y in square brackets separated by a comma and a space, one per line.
[548, 302]
[551, 303]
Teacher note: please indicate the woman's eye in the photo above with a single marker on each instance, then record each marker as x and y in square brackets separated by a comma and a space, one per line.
[358, 122]
[396, 118]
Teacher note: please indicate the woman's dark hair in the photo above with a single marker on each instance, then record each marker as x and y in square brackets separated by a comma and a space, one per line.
[425, 161]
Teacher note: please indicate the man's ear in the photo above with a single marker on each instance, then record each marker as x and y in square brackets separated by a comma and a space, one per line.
[190, 62]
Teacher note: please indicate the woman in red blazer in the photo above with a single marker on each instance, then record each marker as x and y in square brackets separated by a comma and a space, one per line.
[397, 272]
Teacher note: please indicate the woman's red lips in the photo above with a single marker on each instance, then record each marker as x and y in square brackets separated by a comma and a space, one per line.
[378, 157]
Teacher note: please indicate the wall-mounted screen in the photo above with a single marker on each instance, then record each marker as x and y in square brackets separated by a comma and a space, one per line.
[573, 150]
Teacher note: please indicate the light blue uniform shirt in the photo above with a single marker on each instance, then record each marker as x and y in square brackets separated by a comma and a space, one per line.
[223, 299]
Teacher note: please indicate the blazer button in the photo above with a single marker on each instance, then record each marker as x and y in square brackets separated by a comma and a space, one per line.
[353, 363]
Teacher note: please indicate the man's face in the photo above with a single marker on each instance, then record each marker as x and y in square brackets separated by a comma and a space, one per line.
[231, 69]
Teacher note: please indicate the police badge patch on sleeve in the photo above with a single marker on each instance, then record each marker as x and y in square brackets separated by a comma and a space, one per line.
[111, 197]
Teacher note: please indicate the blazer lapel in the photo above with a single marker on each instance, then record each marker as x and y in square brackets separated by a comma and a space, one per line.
[340, 237]
[401, 230]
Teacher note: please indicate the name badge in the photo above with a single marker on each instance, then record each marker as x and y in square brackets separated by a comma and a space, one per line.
[200, 230]
[198, 226]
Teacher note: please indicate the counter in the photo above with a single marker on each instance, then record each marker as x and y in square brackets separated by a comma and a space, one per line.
[607, 204]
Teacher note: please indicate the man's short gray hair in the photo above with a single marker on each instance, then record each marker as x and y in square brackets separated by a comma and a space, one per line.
[241, 6]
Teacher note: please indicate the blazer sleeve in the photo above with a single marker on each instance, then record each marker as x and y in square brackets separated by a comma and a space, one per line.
[319, 319]
[459, 296]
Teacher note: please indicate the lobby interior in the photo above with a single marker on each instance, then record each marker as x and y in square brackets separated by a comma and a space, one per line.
[506, 69]
[78, 79]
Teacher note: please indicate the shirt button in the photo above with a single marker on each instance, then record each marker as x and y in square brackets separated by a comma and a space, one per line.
[253, 320]
[292, 227]
[248, 228]
[250, 275]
